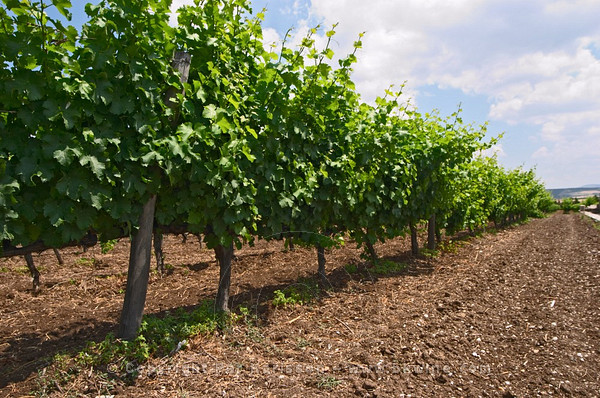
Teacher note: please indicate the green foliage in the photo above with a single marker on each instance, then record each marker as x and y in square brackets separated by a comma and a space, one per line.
[303, 292]
[157, 337]
[451, 246]
[72, 146]
[86, 261]
[253, 141]
[246, 316]
[592, 200]
[280, 299]
[351, 268]
[429, 253]
[22, 270]
[328, 383]
[250, 320]
[258, 139]
[568, 205]
[62, 371]
[108, 245]
[387, 267]
[485, 192]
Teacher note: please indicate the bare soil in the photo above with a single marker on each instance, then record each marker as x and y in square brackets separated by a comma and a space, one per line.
[512, 314]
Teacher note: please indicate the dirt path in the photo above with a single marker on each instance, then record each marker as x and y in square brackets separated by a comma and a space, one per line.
[511, 314]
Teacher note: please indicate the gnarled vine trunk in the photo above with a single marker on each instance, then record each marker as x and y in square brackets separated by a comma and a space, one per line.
[35, 274]
[158, 251]
[431, 239]
[321, 261]
[414, 240]
[58, 257]
[224, 255]
[138, 273]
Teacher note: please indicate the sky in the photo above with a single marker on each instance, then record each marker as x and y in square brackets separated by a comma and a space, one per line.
[529, 68]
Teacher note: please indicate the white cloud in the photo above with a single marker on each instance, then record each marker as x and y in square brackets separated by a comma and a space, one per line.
[568, 6]
[401, 15]
[555, 82]
[496, 150]
[570, 148]
[180, 3]
[297, 7]
[533, 61]
[541, 153]
[270, 37]
[175, 5]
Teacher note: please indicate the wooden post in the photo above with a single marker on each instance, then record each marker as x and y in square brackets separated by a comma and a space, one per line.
[181, 63]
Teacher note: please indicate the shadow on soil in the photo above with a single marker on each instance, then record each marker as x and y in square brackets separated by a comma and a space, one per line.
[258, 299]
[29, 353]
[196, 267]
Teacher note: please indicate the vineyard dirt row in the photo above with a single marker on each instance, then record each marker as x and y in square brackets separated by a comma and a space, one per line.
[514, 313]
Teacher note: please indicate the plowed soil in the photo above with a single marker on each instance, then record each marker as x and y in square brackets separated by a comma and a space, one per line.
[512, 314]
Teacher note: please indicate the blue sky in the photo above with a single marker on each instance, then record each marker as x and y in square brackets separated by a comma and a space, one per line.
[531, 68]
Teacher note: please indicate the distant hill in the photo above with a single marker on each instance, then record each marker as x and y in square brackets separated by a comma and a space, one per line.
[581, 192]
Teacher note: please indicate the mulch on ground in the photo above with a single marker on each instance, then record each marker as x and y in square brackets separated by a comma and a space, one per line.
[514, 313]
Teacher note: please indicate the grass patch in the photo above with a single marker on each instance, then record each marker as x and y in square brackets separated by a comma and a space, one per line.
[157, 337]
[351, 268]
[250, 319]
[451, 246]
[302, 343]
[386, 267]
[328, 383]
[107, 246]
[22, 270]
[303, 292]
[25, 271]
[429, 253]
[86, 261]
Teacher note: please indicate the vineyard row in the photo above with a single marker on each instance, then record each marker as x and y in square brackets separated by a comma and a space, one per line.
[129, 124]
